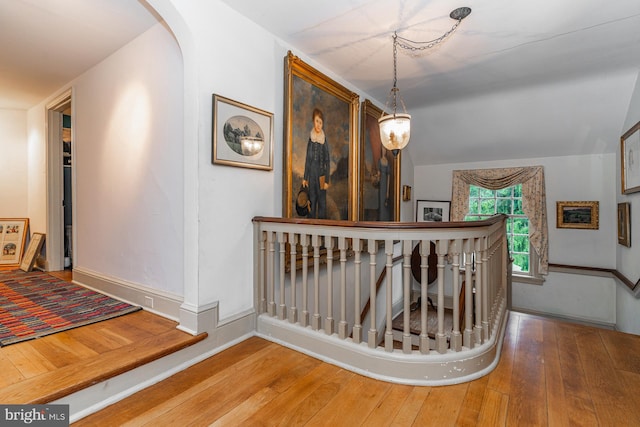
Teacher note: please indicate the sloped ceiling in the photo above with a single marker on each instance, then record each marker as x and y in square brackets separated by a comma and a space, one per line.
[517, 79]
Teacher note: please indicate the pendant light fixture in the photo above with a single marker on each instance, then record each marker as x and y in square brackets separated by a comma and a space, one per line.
[395, 128]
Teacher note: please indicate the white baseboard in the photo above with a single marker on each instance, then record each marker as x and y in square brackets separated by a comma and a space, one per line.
[161, 303]
[571, 319]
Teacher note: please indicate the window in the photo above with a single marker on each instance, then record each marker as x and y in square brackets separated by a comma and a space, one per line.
[526, 200]
[484, 203]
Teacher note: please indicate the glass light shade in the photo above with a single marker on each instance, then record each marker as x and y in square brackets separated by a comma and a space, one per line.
[251, 145]
[395, 131]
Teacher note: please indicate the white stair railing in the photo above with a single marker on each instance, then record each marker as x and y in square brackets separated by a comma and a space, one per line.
[312, 282]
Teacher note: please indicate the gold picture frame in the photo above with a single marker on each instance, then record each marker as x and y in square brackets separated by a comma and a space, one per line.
[307, 91]
[584, 215]
[33, 250]
[630, 160]
[242, 135]
[13, 234]
[624, 224]
[379, 171]
[406, 193]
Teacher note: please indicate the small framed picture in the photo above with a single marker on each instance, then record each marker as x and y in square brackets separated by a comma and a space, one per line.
[577, 215]
[432, 210]
[624, 224]
[242, 135]
[13, 234]
[406, 193]
[33, 250]
[630, 160]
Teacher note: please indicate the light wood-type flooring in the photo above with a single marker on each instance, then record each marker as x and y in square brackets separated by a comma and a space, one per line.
[48, 368]
[551, 373]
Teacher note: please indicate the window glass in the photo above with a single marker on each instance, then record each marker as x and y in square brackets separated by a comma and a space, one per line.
[484, 203]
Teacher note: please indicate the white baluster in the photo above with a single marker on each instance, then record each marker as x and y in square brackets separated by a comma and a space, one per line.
[357, 327]
[315, 242]
[406, 283]
[468, 296]
[442, 247]
[456, 336]
[329, 321]
[262, 291]
[342, 325]
[425, 251]
[388, 335]
[372, 338]
[293, 310]
[477, 326]
[304, 242]
[282, 307]
[271, 304]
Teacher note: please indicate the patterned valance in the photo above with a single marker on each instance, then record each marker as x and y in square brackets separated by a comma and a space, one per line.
[533, 200]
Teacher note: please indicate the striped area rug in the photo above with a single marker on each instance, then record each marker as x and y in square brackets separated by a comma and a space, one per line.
[36, 304]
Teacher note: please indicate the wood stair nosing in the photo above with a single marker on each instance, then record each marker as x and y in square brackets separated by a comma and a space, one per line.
[56, 384]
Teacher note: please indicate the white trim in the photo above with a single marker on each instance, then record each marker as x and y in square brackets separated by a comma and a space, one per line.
[572, 319]
[198, 319]
[414, 369]
[54, 242]
[165, 304]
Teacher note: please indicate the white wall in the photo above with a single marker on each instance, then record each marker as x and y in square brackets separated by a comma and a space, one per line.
[239, 60]
[127, 118]
[37, 168]
[13, 164]
[127, 136]
[588, 177]
[627, 258]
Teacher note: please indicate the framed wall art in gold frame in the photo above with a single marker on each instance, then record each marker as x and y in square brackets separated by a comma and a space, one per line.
[13, 234]
[379, 171]
[577, 215]
[320, 138]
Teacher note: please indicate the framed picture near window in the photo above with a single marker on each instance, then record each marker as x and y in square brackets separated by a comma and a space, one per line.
[13, 234]
[630, 160]
[320, 145]
[242, 135]
[577, 215]
[624, 224]
[379, 193]
[432, 210]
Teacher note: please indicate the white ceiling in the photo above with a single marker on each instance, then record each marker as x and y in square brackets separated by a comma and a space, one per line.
[504, 46]
[518, 79]
[47, 43]
[503, 43]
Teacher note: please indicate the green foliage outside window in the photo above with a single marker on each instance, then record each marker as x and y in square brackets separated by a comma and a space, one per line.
[484, 203]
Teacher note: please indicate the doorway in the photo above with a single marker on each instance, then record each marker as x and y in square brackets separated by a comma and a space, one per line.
[59, 241]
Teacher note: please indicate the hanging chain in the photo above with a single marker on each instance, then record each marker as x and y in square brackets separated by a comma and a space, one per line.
[404, 43]
[395, 59]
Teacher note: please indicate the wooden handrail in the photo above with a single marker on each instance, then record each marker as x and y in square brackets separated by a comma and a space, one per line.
[383, 224]
[617, 274]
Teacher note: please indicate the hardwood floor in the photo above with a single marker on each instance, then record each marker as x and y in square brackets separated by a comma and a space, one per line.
[51, 367]
[551, 373]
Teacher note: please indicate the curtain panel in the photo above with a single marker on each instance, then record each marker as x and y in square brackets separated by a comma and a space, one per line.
[533, 200]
